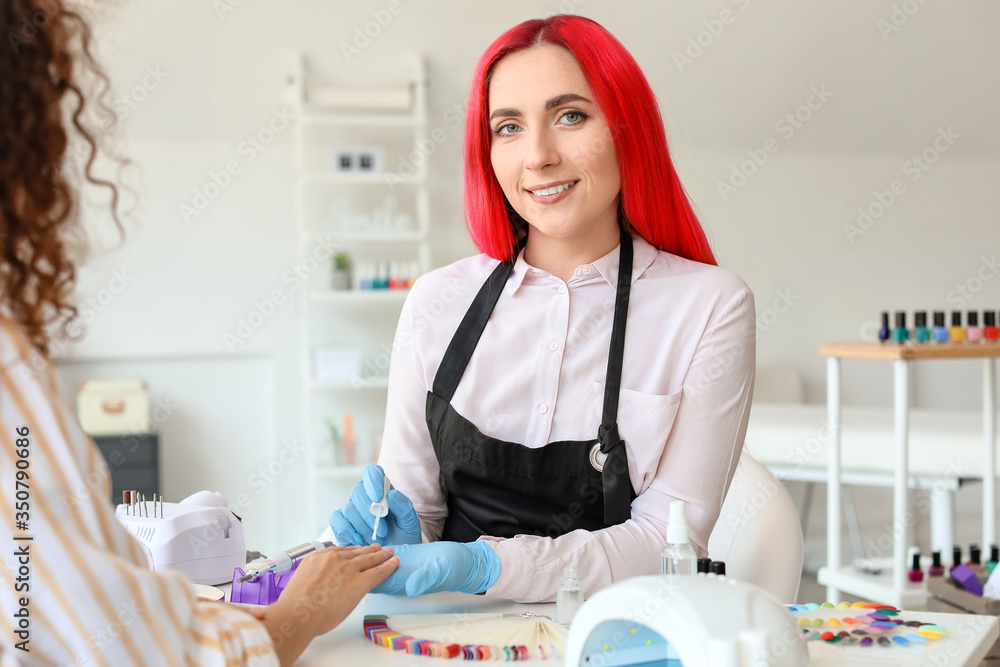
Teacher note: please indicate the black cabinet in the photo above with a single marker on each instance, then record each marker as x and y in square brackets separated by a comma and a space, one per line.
[134, 460]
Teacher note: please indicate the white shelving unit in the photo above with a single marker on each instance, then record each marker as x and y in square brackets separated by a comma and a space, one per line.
[891, 587]
[393, 118]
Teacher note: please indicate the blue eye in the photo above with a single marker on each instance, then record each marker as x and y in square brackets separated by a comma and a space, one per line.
[578, 114]
[500, 130]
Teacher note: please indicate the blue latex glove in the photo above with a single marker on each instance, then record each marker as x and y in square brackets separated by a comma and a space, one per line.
[352, 524]
[434, 567]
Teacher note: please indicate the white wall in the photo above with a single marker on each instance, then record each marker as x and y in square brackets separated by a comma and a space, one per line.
[783, 230]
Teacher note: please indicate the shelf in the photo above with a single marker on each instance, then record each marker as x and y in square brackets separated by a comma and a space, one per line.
[359, 296]
[365, 178]
[352, 384]
[320, 119]
[373, 237]
[910, 351]
[874, 587]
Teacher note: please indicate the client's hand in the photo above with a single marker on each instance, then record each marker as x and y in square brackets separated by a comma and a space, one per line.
[325, 588]
[352, 524]
[442, 566]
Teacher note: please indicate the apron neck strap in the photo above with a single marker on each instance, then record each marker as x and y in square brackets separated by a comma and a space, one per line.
[463, 343]
[613, 380]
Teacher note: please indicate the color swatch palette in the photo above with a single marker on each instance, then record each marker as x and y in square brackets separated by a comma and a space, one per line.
[863, 624]
[498, 637]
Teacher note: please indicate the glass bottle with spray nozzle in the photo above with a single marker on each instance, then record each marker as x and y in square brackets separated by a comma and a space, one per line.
[678, 557]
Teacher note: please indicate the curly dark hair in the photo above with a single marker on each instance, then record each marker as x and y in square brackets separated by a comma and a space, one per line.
[45, 58]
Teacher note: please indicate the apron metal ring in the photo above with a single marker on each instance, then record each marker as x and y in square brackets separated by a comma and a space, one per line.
[599, 467]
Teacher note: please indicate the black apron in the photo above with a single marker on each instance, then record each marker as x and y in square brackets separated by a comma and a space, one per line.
[503, 488]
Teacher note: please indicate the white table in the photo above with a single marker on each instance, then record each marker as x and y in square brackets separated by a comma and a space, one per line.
[892, 588]
[969, 638]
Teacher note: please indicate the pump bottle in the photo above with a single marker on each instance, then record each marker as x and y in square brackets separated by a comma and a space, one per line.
[678, 557]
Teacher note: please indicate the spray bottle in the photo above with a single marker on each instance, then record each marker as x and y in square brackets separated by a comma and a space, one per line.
[678, 557]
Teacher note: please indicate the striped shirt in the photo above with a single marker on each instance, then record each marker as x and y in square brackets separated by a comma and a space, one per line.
[79, 591]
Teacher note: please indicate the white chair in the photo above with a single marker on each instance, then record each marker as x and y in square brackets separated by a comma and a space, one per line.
[758, 533]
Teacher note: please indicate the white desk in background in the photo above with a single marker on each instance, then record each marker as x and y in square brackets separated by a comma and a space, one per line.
[945, 452]
[968, 640]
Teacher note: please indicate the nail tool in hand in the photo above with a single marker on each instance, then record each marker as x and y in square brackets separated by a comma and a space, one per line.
[380, 508]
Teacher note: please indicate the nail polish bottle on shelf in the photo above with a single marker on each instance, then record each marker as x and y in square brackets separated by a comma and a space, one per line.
[956, 556]
[900, 334]
[885, 333]
[957, 333]
[973, 333]
[704, 565]
[940, 331]
[991, 564]
[990, 331]
[718, 568]
[916, 575]
[921, 334]
[935, 569]
[975, 560]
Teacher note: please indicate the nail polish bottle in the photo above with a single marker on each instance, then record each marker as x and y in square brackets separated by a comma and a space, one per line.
[940, 331]
[957, 333]
[921, 334]
[991, 333]
[915, 574]
[973, 333]
[975, 560]
[719, 569]
[885, 333]
[991, 564]
[704, 565]
[900, 334]
[935, 570]
[956, 556]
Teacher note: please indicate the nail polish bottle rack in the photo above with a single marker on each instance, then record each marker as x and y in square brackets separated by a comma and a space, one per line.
[892, 588]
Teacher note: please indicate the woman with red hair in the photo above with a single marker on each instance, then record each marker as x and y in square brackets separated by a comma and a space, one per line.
[528, 428]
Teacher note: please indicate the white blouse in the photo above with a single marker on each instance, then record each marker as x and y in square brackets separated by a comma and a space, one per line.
[537, 376]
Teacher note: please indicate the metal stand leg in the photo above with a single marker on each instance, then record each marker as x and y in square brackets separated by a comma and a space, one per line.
[942, 520]
[807, 503]
[989, 452]
[851, 514]
[833, 479]
[900, 505]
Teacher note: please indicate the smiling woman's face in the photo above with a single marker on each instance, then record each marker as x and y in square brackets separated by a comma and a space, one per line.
[552, 151]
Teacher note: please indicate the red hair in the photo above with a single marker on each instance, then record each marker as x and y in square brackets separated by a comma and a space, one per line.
[653, 201]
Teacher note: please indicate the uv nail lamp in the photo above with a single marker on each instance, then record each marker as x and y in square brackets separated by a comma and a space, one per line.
[198, 536]
[689, 620]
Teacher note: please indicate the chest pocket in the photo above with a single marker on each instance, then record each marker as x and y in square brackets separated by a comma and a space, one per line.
[644, 422]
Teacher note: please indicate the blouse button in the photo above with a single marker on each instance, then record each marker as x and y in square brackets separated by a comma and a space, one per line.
[543, 409]
[553, 346]
[562, 289]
